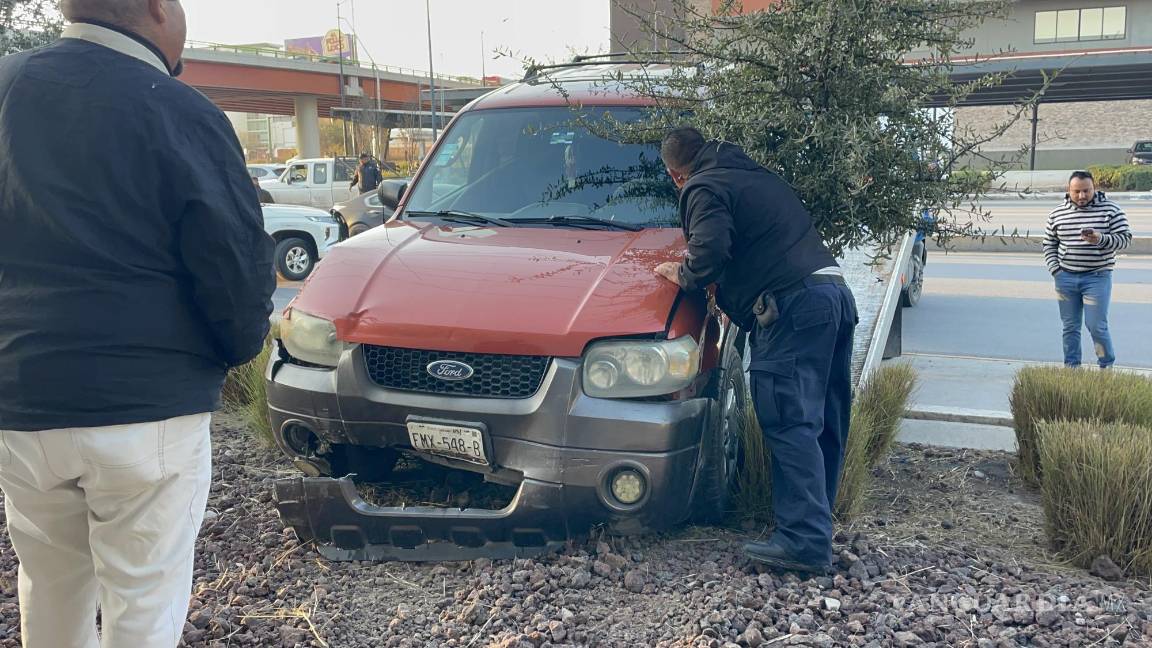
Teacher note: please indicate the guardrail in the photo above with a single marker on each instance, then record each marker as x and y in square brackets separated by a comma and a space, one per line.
[285, 55]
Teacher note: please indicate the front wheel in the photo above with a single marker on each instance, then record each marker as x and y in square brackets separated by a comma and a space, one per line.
[721, 448]
[294, 259]
[910, 296]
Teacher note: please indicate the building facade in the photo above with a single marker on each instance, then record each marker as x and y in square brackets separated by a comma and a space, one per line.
[1068, 135]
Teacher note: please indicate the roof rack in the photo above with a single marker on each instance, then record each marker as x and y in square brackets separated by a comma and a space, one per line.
[584, 59]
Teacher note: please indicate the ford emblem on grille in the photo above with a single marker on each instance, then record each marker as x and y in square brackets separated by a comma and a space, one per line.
[450, 370]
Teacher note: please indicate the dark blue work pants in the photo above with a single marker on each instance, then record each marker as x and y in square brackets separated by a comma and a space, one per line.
[801, 381]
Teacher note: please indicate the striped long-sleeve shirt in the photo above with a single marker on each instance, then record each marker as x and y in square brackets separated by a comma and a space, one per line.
[1065, 250]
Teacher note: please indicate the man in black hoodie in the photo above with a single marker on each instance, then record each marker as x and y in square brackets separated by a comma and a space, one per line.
[748, 232]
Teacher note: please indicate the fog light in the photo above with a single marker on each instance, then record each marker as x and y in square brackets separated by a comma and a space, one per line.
[628, 486]
[300, 439]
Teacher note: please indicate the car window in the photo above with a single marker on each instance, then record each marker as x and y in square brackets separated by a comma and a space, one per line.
[373, 200]
[533, 163]
[345, 169]
[278, 171]
[298, 173]
[257, 172]
[1143, 147]
[320, 173]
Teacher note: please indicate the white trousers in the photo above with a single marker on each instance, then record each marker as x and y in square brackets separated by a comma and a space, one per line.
[108, 516]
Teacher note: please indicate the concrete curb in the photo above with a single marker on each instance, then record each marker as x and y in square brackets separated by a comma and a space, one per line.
[959, 415]
[1059, 195]
[1004, 243]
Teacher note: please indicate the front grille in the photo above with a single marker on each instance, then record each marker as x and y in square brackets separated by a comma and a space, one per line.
[495, 376]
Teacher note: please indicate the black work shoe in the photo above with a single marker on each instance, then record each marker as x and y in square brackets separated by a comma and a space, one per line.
[778, 558]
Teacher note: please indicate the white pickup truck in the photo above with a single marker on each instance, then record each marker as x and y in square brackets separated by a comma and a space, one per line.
[316, 182]
[303, 236]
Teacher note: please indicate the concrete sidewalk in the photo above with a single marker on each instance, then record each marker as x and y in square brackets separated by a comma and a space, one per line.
[962, 401]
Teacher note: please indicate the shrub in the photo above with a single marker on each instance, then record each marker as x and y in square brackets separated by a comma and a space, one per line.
[1105, 175]
[1098, 491]
[245, 393]
[1134, 178]
[876, 412]
[1060, 394]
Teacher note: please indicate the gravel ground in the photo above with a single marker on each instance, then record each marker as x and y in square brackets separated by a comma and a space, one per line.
[949, 552]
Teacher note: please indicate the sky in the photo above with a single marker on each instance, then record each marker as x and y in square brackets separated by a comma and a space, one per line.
[394, 32]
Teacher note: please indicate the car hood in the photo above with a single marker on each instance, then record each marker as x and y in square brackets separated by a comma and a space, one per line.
[1143, 156]
[276, 210]
[522, 290]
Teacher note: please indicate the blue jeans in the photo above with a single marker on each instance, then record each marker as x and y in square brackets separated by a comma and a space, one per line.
[801, 380]
[1083, 299]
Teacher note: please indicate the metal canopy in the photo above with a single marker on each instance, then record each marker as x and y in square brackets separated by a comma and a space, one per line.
[1093, 76]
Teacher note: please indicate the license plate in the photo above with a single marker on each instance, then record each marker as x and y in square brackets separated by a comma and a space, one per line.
[457, 442]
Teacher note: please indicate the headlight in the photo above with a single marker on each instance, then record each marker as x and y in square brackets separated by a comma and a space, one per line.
[634, 368]
[326, 218]
[311, 339]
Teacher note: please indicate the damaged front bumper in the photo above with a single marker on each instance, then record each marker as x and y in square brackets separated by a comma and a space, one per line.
[559, 448]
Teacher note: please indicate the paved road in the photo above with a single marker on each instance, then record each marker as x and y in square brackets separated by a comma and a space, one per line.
[999, 305]
[1029, 216]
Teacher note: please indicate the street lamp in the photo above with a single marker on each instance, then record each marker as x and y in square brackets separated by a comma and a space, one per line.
[431, 74]
[376, 72]
[340, 61]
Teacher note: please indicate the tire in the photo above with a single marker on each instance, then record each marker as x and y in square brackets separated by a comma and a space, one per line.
[294, 259]
[910, 296]
[364, 463]
[722, 447]
[357, 228]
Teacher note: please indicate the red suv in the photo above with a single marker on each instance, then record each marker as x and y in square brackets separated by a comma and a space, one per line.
[507, 321]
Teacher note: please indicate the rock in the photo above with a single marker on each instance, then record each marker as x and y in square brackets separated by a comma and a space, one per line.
[580, 579]
[634, 581]
[907, 639]
[1103, 567]
[616, 561]
[1047, 618]
[603, 569]
[947, 524]
[752, 638]
[854, 627]
[831, 604]
[557, 631]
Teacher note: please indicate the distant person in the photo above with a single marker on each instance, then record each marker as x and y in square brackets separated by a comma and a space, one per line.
[368, 175]
[134, 271]
[1080, 244]
[265, 196]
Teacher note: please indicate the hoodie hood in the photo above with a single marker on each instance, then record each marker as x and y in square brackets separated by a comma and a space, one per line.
[511, 290]
[1096, 200]
[721, 155]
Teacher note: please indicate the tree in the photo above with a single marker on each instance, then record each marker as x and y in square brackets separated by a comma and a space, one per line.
[25, 24]
[835, 96]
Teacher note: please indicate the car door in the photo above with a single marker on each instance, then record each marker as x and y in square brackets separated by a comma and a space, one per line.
[321, 185]
[343, 171]
[294, 187]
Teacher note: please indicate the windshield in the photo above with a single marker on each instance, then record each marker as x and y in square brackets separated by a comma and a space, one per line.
[535, 163]
[1143, 147]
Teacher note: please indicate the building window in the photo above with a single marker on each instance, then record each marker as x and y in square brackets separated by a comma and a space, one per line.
[1071, 25]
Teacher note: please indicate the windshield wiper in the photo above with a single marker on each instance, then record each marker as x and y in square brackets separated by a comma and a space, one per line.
[581, 221]
[455, 216]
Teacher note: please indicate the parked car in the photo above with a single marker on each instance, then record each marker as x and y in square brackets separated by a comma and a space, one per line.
[508, 322]
[1141, 152]
[361, 213]
[319, 182]
[303, 236]
[266, 171]
[912, 276]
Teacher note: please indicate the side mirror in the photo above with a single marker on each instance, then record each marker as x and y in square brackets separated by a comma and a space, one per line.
[391, 192]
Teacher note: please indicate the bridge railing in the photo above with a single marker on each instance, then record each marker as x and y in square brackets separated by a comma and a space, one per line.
[285, 55]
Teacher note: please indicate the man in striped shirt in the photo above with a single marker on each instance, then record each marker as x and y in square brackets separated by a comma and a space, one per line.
[1080, 245]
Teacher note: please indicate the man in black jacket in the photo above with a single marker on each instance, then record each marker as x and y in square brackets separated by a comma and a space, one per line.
[368, 175]
[748, 232]
[134, 271]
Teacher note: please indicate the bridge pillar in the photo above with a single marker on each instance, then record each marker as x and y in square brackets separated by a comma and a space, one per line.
[307, 127]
